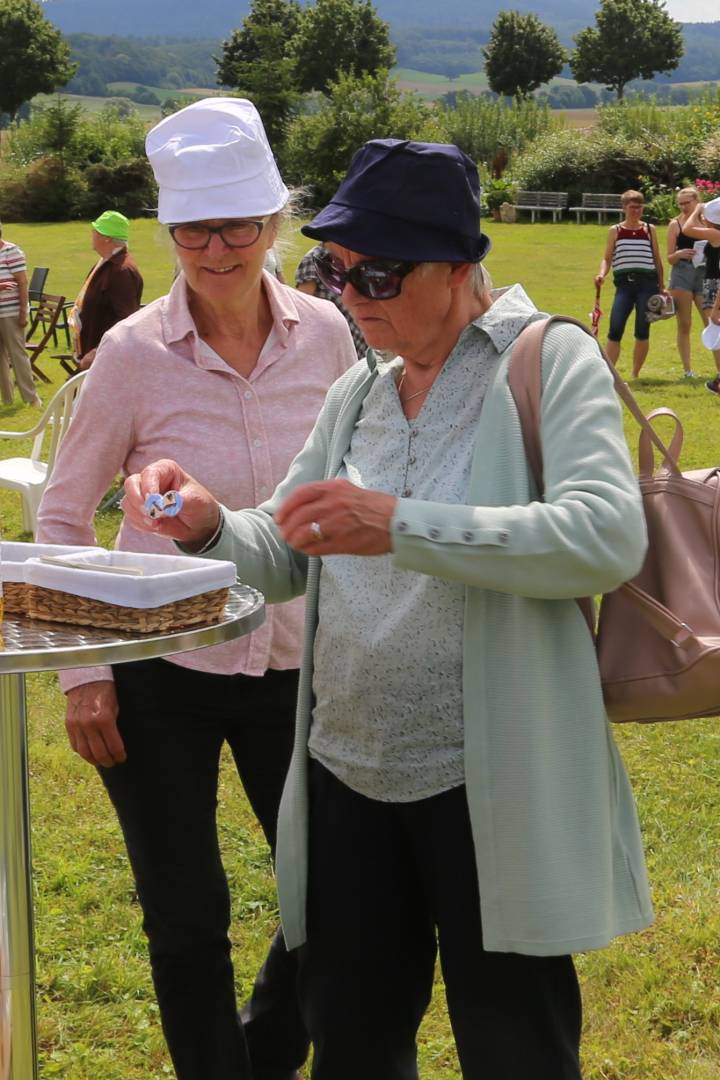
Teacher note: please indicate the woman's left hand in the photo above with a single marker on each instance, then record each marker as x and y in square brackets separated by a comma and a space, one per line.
[334, 517]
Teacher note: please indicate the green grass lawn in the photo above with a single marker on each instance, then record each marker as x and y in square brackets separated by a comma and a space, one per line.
[652, 1004]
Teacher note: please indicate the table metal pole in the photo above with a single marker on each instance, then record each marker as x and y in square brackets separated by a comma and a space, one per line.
[18, 1050]
[29, 645]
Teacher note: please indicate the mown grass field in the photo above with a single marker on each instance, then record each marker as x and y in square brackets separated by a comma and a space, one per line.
[652, 1001]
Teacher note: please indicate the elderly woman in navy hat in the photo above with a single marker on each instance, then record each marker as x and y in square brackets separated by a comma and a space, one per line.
[227, 374]
[454, 785]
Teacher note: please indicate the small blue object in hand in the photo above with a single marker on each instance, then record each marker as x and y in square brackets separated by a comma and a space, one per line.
[167, 505]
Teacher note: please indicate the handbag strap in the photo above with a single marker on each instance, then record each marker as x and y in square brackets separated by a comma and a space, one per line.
[674, 630]
[525, 382]
[646, 457]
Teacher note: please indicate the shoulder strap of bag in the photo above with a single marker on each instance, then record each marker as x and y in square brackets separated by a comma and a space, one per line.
[525, 383]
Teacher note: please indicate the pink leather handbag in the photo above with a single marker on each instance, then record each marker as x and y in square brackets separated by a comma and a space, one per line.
[658, 636]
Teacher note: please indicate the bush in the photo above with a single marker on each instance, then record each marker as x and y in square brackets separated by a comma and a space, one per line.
[319, 147]
[575, 161]
[46, 191]
[607, 161]
[61, 164]
[660, 207]
[709, 157]
[497, 192]
[482, 127]
[61, 129]
[128, 186]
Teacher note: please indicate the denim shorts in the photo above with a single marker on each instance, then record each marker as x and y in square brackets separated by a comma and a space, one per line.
[687, 277]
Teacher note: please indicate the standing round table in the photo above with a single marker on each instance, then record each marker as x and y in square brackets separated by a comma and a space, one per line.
[28, 645]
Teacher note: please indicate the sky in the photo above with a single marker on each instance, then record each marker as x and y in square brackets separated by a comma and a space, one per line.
[694, 10]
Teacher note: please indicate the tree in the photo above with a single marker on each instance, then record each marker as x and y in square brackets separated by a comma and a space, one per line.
[522, 54]
[257, 60]
[34, 57]
[340, 36]
[319, 146]
[631, 39]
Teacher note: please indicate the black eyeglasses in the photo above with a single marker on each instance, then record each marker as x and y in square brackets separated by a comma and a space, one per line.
[236, 234]
[377, 279]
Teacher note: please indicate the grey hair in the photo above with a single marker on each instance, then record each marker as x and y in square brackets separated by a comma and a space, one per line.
[481, 281]
[287, 220]
[479, 278]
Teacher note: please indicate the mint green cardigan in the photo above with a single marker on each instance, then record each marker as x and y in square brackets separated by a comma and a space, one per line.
[557, 842]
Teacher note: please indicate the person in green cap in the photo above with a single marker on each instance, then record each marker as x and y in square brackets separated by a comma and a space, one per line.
[111, 291]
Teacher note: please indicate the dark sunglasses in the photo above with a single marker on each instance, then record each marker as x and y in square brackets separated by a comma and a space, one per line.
[377, 279]
[235, 234]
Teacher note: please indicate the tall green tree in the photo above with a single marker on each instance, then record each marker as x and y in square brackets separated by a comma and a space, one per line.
[34, 57]
[340, 36]
[257, 60]
[522, 54]
[631, 39]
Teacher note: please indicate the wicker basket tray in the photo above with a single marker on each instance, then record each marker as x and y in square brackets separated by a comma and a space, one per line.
[16, 597]
[55, 606]
[128, 591]
[15, 556]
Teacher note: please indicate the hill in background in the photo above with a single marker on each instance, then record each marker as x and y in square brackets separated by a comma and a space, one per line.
[216, 18]
[444, 39]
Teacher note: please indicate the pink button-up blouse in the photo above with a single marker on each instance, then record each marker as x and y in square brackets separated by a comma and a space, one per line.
[157, 390]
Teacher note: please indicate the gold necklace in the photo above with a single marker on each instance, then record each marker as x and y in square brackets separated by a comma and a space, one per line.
[410, 396]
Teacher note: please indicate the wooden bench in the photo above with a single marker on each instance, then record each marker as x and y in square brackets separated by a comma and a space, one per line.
[596, 203]
[553, 202]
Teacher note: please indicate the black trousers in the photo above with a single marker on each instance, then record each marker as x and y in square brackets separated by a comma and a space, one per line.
[174, 722]
[388, 883]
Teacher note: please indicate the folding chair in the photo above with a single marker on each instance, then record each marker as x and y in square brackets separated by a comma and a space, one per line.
[37, 286]
[48, 311]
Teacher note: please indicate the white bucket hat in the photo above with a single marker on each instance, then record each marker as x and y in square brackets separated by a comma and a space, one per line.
[711, 334]
[213, 160]
[711, 211]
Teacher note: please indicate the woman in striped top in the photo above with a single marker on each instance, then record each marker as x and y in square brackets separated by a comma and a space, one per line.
[632, 252]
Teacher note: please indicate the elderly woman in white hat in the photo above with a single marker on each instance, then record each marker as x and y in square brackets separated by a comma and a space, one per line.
[226, 373]
[704, 224]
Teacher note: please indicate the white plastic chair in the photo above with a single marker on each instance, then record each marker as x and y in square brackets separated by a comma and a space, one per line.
[29, 476]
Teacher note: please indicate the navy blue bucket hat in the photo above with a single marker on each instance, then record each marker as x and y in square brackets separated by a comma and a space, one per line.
[415, 201]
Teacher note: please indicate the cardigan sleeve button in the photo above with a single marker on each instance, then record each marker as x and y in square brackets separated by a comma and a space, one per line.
[434, 533]
[402, 526]
[503, 537]
[468, 536]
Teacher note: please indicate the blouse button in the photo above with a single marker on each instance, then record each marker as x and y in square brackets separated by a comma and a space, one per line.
[412, 459]
[407, 493]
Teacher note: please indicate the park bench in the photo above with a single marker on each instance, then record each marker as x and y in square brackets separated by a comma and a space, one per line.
[597, 203]
[553, 202]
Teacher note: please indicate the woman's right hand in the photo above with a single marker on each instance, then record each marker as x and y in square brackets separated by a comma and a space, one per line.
[91, 723]
[200, 514]
[599, 278]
